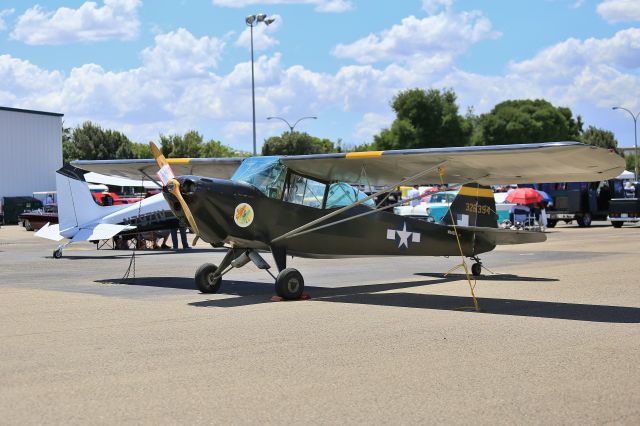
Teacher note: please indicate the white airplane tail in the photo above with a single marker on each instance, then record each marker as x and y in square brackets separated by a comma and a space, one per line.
[76, 206]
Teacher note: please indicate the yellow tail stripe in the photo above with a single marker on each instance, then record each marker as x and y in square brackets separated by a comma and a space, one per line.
[365, 154]
[476, 192]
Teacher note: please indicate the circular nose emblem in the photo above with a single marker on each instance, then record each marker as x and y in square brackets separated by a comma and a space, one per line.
[243, 215]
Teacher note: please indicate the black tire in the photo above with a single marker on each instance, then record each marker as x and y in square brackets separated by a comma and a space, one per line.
[289, 284]
[617, 224]
[551, 223]
[476, 269]
[584, 221]
[57, 254]
[206, 280]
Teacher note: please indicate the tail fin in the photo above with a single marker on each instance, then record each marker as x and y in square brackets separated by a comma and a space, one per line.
[473, 206]
[76, 206]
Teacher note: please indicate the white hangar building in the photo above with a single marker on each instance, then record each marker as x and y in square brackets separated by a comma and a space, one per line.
[30, 151]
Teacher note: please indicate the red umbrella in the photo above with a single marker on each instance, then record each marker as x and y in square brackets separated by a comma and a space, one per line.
[524, 196]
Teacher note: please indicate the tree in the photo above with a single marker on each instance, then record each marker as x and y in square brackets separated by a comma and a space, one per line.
[91, 142]
[630, 162]
[297, 143]
[216, 149]
[424, 119]
[176, 146]
[599, 137]
[141, 150]
[527, 121]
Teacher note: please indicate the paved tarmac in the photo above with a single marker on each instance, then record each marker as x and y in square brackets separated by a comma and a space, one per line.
[382, 340]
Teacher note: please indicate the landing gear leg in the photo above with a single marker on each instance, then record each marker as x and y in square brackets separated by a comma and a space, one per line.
[209, 276]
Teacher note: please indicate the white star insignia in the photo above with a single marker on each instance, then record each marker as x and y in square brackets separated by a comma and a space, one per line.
[404, 236]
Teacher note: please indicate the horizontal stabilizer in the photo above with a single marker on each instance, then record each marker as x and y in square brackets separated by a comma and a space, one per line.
[50, 232]
[102, 231]
[498, 237]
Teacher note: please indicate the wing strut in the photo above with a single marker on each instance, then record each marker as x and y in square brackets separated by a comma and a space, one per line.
[388, 188]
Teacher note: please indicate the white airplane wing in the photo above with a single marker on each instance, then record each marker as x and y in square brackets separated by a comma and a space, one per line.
[50, 232]
[100, 231]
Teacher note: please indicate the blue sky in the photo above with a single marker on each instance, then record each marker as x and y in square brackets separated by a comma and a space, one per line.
[149, 67]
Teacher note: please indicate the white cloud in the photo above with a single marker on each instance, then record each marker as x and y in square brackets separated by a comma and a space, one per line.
[335, 6]
[117, 19]
[180, 54]
[445, 34]
[435, 6]
[620, 10]
[371, 124]
[4, 13]
[176, 88]
[261, 38]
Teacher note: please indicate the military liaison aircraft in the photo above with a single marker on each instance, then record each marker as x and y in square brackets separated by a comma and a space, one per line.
[306, 205]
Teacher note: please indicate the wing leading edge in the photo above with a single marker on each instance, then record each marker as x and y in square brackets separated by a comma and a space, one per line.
[487, 165]
[136, 169]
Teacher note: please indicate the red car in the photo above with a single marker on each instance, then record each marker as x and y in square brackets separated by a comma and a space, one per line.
[36, 219]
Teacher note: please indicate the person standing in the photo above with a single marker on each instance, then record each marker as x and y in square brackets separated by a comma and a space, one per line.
[183, 237]
[414, 196]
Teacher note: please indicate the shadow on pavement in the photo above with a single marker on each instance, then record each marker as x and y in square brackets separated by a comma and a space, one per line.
[254, 293]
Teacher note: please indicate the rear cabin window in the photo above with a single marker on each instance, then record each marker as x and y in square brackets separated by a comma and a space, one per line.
[304, 191]
[342, 194]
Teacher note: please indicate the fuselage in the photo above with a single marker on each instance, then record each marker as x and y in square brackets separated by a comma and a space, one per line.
[239, 214]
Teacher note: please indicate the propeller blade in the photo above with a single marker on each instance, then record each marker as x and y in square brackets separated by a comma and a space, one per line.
[169, 180]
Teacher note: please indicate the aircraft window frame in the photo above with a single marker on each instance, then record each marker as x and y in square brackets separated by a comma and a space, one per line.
[313, 191]
[259, 172]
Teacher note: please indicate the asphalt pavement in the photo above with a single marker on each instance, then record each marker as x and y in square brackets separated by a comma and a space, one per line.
[381, 340]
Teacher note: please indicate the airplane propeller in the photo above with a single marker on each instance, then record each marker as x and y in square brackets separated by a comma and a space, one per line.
[168, 178]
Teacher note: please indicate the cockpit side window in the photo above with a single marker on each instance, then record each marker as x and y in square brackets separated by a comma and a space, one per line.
[265, 173]
[304, 191]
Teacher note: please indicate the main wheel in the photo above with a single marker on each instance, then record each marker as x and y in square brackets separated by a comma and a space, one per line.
[617, 224]
[57, 253]
[584, 221]
[551, 223]
[289, 284]
[206, 279]
[476, 269]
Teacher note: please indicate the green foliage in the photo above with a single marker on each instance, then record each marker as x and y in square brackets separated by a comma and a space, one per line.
[599, 137]
[631, 162]
[526, 121]
[297, 143]
[425, 119]
[141, 150]
[91, 142]
[192, 145]
[216, 149]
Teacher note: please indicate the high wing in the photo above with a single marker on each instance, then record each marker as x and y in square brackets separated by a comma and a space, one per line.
[136, 169]
[487, 165]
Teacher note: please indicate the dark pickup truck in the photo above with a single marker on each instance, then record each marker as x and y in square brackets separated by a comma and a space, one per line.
[623, 210]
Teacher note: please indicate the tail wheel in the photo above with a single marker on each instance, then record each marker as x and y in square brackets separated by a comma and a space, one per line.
[206, 279]
[476, 269]
[57, 253]
[289, 284]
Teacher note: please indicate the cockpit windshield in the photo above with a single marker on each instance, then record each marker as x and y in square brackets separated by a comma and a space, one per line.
[265, 173]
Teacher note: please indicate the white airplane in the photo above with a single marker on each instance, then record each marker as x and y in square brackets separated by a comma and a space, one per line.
[81, 219]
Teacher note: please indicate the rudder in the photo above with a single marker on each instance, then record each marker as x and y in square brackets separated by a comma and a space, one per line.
[473, 206]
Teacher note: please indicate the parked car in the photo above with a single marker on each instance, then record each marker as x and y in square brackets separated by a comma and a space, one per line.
[36, 219]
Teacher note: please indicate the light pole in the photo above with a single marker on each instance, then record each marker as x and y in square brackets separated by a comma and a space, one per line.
[251, 21]
[635, 136]
[294, 124]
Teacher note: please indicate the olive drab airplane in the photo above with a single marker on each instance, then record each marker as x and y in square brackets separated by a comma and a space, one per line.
[309, 206]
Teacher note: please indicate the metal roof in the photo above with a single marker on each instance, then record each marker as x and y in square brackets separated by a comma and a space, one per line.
[31, 111]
